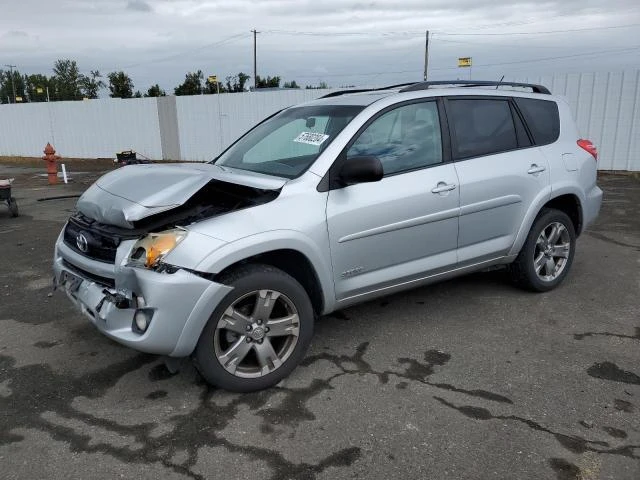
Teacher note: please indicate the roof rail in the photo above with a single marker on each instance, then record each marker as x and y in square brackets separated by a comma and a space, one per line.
[475, 83]
[361, 90]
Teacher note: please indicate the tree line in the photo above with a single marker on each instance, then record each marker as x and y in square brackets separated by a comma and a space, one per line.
[68, 83]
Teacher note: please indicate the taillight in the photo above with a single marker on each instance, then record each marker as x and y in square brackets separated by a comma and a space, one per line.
[589, 147]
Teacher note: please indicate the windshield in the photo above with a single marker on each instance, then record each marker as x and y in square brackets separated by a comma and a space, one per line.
[287, 144]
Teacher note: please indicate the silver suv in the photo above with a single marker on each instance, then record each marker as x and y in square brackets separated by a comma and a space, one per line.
[324, 205]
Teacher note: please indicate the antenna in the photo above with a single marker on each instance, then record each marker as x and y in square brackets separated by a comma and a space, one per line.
[502, 78]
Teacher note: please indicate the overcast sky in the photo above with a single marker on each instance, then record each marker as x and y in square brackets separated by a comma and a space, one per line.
[361, 42]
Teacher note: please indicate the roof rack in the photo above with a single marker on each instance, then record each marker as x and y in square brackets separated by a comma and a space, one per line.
[475, 83]
[361, 90]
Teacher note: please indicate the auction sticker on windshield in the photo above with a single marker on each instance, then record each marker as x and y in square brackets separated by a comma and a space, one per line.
[311, 138]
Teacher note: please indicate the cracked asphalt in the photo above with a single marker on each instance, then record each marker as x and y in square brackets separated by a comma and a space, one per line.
[466, 379]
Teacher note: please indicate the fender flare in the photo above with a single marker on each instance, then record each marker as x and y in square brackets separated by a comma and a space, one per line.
[544, 197]
[247, 247]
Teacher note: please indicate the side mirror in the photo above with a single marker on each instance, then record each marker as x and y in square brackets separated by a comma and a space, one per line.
[361, 170]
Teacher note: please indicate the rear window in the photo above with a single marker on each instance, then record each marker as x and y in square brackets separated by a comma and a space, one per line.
[481, 127]
[542, 117]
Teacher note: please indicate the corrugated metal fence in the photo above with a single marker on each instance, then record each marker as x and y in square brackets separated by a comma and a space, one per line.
[605, 105]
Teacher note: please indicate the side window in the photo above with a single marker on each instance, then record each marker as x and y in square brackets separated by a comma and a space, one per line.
[542, 117]
[404, 138]
[481, 127]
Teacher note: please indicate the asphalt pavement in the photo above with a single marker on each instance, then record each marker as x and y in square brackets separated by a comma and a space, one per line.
[467, 379]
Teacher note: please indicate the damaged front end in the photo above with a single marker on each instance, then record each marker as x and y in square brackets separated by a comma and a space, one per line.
[109, 257]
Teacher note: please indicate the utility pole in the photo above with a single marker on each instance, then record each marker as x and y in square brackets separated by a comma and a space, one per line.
[426, 55]
[255, 62]
[13, 85]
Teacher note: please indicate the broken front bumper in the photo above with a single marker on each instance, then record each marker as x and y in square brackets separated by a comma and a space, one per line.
[178, 304]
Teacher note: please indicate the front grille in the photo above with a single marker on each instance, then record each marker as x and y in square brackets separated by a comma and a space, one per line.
[107, 282]
[96, 244]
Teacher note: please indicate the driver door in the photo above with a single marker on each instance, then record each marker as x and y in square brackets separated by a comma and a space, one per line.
[405, 226]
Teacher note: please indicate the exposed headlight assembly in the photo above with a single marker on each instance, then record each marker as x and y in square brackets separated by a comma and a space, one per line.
[150, 250]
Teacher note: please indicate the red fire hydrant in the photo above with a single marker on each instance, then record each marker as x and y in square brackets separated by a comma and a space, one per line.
[52, 168]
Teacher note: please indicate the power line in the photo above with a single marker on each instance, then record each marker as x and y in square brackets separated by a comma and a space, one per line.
[588, 29]
[560, 57]
[342, 34]
[409, 33]
[186, 52]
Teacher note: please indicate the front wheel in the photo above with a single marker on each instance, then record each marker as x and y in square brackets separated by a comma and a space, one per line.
[546, 257]
[259, 333]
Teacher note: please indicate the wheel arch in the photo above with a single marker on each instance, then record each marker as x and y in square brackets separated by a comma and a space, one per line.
[293, 263]
[567, 198]
[291, 252]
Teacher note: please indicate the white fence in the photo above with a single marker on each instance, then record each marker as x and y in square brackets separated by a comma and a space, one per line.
[605, 105]
[89, 129]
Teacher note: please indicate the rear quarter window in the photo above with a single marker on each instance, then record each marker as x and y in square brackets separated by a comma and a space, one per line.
[542, 118]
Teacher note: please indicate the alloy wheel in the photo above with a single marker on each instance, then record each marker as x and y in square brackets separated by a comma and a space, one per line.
[256, 334]
[551, 251]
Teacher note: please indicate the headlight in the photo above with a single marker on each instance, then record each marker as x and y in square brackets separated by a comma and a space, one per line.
[155, 246]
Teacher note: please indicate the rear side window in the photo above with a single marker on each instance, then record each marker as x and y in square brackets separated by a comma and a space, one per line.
[542, 117]
[481, 127]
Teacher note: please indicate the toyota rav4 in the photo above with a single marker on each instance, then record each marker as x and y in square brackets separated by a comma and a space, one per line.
[324, 205]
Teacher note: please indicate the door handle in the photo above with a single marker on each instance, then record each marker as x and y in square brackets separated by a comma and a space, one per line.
[535, 169]
[443, 187]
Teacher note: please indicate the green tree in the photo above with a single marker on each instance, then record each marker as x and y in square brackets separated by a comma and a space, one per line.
[237, 83]
[269, 82]
[120, 85]
[67, 80]
[192, 84]
[6, 86]
[137, 94]
[36, 87]
[321, 85]
[155, 91]
[91, 84]
[291, 84]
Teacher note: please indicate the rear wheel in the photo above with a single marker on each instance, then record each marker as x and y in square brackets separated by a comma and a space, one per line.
[13, 207]
[546, 257]
[259, 333]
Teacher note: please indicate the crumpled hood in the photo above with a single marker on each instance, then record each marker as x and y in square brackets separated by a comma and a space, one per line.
[135, 192]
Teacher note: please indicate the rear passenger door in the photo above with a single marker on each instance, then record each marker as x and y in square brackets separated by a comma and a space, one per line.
[500, 174]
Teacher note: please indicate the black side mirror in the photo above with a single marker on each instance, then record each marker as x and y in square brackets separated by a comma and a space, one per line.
[361, 170]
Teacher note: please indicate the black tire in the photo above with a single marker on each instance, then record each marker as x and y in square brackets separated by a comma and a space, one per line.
[244, 280]
[523, 271]
[13, 207]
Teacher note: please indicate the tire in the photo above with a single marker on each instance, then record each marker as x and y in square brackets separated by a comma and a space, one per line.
[249, 345]
[13, 207]
[539, 249]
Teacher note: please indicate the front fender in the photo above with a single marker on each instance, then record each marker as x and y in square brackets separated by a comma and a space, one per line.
[252, 245]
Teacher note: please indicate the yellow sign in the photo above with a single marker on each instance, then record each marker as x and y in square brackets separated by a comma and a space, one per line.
[212, 78]
[18, 99]
[39, 90]
[464, 61]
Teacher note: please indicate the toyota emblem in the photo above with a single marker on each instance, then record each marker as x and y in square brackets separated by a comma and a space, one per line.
[82, 243]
